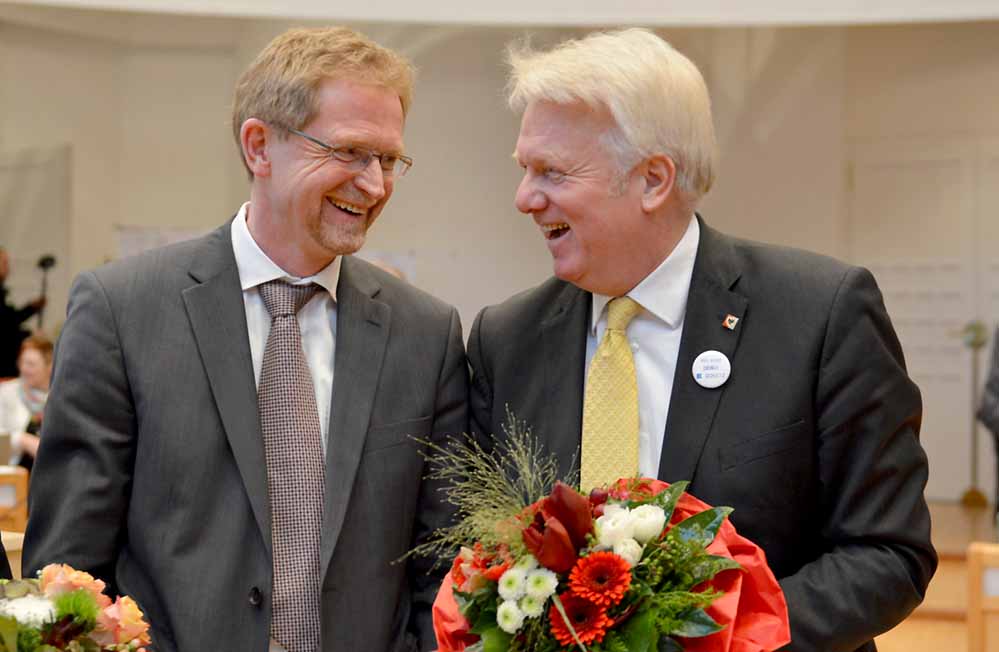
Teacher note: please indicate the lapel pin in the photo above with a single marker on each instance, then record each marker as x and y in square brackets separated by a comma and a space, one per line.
[711, 369]
[730, 322]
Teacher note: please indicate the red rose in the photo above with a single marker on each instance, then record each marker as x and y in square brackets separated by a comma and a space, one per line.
[559, 529]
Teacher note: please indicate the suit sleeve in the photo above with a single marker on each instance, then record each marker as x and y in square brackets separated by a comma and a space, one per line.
[480, 396]
[81, 480]
[873, 471]
[450, 419]
[988, 411]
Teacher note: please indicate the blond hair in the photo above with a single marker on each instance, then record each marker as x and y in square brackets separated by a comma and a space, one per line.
[656, 95]
[281, 86]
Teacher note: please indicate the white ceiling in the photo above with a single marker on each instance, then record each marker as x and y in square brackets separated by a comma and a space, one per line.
[567, 12]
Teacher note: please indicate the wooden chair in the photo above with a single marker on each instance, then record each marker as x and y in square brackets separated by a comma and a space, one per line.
[13, 498]
[983, 594]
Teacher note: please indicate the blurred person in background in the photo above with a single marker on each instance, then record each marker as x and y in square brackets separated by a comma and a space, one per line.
[11, 318]
[988, 409]
[22, 399]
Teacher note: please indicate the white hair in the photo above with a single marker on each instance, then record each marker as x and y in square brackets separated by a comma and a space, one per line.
[656, 95]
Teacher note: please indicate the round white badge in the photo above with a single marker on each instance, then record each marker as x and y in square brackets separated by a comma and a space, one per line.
[711, 369]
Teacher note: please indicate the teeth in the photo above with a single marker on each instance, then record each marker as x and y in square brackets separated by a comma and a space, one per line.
[548, 228]
[350, 208]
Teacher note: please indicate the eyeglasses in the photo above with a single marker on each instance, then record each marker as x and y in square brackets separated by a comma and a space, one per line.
[359, 158]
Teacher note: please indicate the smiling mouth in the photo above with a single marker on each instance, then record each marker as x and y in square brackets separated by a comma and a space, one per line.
[554, 231]
[344, 207]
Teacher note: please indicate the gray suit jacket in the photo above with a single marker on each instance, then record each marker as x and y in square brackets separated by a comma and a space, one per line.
[813, 439]
[152, 475]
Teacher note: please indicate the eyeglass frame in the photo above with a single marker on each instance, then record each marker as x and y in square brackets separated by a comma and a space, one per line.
[363, 160]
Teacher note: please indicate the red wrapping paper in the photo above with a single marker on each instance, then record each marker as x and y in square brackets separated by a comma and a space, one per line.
[753, 608]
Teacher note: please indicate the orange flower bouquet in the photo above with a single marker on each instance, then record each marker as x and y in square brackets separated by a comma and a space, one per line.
[639, 566]
[67, 610]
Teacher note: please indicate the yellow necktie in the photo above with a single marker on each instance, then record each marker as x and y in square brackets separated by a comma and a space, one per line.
[610, 404]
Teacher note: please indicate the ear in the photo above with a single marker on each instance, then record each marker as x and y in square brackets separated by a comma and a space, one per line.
[254, 136]
[659, 176]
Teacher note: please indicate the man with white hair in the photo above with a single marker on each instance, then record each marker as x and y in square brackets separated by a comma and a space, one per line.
[770, 378]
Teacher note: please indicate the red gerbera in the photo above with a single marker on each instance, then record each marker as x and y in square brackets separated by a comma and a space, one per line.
[589, 620]
[601, 577]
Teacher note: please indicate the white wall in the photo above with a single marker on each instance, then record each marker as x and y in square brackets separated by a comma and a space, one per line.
[143, 103]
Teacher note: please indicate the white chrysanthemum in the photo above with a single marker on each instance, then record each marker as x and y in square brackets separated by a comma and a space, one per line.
[630, 550]
[29, 610]
[614, 527]
[527, 563]
[649, 521]
[509, 617]
[511, 583]
[541, 583]
[532, 606]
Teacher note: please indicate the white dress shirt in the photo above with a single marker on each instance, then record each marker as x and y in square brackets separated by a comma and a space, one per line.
[316, 319]
[654, 336]
[14, 417]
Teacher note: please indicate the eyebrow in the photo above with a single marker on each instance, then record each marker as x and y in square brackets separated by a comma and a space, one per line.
[354, 141]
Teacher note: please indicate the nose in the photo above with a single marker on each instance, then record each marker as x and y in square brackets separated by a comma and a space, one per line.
[371, 180]
[529, 199]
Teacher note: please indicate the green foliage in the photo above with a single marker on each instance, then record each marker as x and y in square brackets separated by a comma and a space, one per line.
[80, 606]
[28, 640]
[489, 488]
[8, 634]
[11, 589]
[701, 527]
[639, 632]
[534, 637]
[495, 639]
[667, 644]
[673, 609]
[613, 642]
[695, 624]
[479, 607]
[705, 567]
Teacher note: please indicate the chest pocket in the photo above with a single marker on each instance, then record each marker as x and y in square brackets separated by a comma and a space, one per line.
[765, 445]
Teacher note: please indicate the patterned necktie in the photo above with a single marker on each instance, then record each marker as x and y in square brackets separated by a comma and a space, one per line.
[610, 404]
[289, 420]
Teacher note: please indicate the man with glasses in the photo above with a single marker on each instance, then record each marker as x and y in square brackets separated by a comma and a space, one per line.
[230, 437]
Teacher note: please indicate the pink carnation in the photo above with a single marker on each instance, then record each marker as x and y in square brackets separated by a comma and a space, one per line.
[57, 579]
[120, 623]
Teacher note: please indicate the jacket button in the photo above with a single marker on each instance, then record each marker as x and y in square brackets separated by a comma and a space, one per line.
[256, 597]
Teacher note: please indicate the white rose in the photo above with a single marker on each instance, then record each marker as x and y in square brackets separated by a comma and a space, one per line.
[613, 508]
[649, 522]
[630, 550]
[511, 583]
[541, 583]
[509, 617]
[613, 527]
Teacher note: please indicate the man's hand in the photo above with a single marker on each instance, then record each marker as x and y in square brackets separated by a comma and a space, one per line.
[38, 303]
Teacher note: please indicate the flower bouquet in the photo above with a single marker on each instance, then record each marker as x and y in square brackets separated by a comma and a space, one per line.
[639, 566]
[66, 610]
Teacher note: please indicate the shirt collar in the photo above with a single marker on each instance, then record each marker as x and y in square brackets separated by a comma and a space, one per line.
[663, 293]
[255, 267]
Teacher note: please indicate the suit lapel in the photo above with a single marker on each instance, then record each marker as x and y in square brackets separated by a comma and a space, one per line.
[218, 319]
[362, 333]
[692, 407]
[563, 335]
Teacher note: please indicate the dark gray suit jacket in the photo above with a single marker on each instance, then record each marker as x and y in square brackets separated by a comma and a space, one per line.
[152, 475]
[813, 439]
